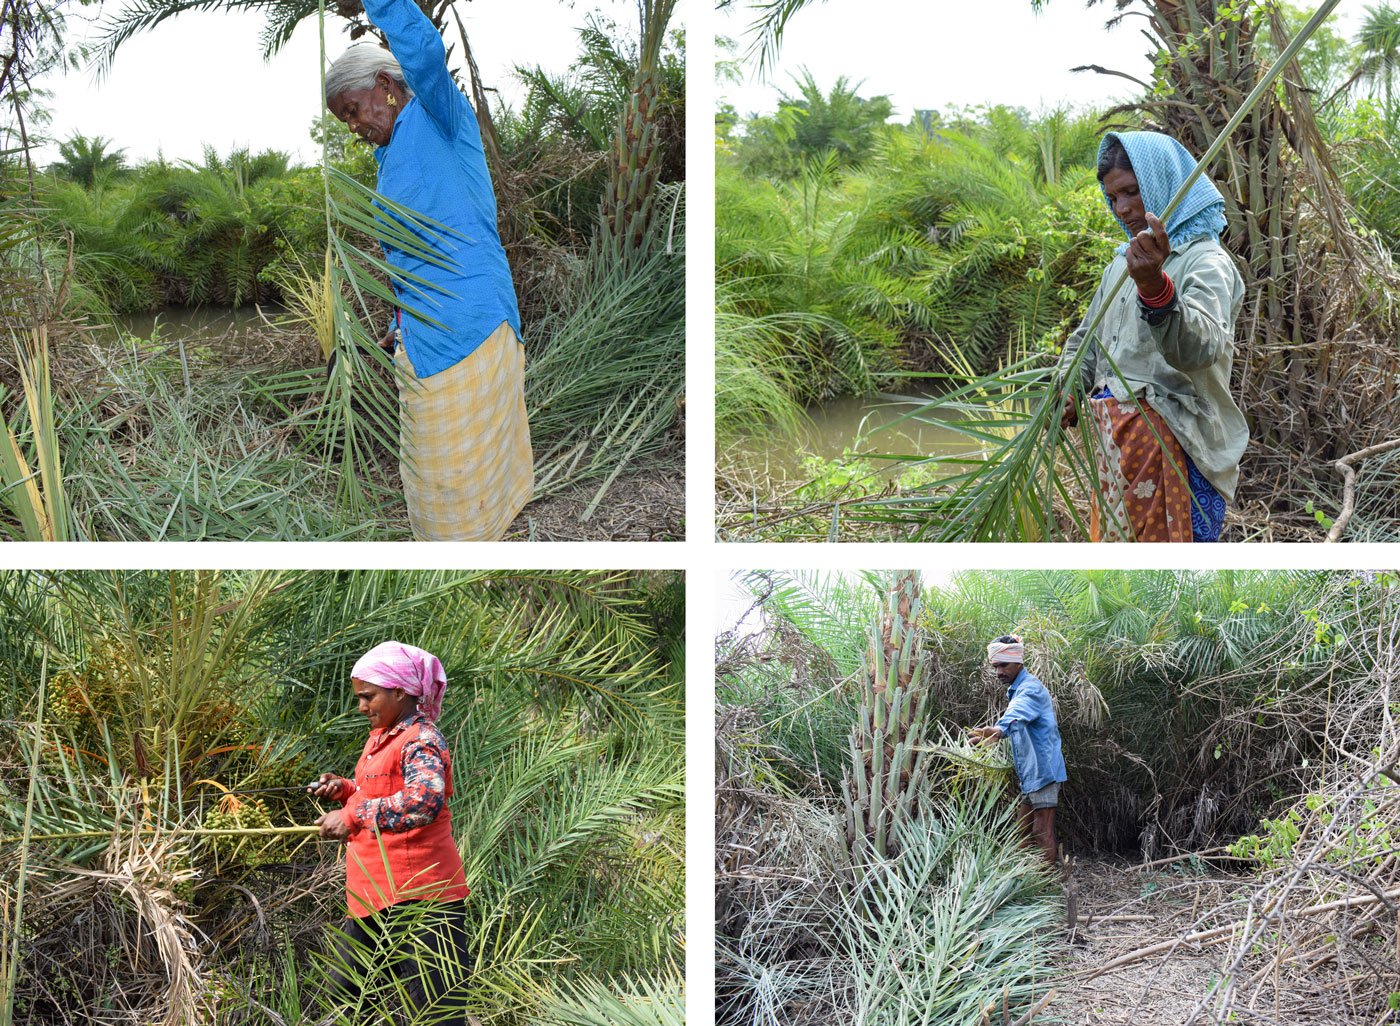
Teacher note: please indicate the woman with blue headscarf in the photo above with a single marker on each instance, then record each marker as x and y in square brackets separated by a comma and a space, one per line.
[1168, 433]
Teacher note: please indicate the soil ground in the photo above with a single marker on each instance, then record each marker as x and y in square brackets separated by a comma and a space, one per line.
[649, 506]
[1121, 909]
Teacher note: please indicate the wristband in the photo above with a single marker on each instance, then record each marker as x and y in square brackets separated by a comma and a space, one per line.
[1163, 298]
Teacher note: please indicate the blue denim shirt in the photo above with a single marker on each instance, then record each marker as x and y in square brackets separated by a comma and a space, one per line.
[1029, 723]
[434, 165]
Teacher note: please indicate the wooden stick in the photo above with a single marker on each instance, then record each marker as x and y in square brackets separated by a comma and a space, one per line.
[1035, 1009]
[1209, 853]
[1346, 467]
[196, 831]
[1218, 933]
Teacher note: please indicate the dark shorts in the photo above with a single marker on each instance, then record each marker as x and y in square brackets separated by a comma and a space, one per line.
[1046, 798]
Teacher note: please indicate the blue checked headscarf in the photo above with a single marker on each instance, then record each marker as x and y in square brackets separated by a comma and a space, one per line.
[1161, 164]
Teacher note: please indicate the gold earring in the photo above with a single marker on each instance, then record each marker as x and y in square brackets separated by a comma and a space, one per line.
[389, 99]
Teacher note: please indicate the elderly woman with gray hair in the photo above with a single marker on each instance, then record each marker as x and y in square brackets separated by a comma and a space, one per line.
[463, 435]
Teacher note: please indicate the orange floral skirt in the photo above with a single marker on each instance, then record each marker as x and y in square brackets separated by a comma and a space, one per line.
[1143, 494]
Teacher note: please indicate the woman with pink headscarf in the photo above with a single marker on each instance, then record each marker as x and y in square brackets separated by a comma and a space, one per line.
[396, 822]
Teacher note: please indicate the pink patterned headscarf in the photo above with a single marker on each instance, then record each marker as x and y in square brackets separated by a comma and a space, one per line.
[412, 670]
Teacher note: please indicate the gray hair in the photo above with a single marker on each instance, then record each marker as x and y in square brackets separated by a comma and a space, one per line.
[357, 67]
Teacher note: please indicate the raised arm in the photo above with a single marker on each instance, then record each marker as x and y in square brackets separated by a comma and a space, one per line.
[418, 48]
[1199, 329]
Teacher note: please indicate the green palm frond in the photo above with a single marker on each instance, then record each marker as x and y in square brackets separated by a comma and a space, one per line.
[568, 810]
[623, 1002]
[972, 893]
[828, 609]
[766, 30]
[144, 15]
[607, 380]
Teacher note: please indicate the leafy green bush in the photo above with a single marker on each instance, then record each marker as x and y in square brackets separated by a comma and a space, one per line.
[1371, 843]
[956, 249]
[187, 234]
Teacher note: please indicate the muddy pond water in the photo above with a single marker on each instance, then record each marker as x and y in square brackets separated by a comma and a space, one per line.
[860, 426]
[235, 334]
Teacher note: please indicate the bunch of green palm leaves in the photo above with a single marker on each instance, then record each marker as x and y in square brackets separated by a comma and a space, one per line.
[955, 930]
[605, 378]
[640, 1003]
[968, 763]
[187, 233]
[809, 262]
[158, 460]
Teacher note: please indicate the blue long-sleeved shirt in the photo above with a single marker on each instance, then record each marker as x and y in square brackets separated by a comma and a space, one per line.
[434, 165]
[1029, 723]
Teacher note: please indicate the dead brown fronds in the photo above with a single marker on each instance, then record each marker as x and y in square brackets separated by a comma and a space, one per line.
[1309, 937]
[146, 924]
[778, 858]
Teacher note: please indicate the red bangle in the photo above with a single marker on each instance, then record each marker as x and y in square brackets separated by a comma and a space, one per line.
[1162, 298]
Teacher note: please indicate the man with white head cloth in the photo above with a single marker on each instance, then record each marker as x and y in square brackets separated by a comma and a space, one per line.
[1029, 723]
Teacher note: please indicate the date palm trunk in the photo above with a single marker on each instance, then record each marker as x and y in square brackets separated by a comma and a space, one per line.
[634, 160]
[885, 779]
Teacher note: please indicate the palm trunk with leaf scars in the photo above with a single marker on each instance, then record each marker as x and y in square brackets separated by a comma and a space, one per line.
[888, 766]
[628, 205]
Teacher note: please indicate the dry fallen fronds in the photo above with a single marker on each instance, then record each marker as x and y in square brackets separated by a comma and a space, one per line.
[141, 876]
[1311, 936]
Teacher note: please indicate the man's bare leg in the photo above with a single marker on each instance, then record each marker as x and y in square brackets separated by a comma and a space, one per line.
[1043, 831]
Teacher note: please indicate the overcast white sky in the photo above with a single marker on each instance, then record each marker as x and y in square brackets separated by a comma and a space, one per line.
[734, 599]
[200, 78]
[938, 54]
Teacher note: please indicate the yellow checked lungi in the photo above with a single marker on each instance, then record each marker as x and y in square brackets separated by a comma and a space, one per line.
[464, 443]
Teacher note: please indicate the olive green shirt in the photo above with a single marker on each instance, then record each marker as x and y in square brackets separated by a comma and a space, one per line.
[1180, 366]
